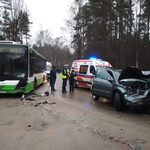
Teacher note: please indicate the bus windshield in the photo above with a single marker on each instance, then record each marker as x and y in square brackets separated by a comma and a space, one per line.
[13, 62]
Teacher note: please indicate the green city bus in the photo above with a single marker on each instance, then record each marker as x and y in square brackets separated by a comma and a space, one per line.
[22, 68]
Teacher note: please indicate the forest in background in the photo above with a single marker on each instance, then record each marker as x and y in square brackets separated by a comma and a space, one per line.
[113, 30]
[55, 50]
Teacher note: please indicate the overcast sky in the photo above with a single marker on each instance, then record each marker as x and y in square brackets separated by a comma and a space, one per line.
[48, 14]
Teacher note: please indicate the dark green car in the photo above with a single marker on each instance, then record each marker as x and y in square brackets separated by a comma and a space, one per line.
[129, 87]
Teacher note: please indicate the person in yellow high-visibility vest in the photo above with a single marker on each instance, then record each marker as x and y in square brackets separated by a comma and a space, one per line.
[64, 77]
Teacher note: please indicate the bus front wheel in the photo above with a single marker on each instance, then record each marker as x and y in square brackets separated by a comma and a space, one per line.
[34, 84]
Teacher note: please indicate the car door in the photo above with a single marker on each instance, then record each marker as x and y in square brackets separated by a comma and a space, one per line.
[103, 83]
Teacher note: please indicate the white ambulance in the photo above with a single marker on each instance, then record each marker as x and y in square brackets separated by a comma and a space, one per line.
[86, 69]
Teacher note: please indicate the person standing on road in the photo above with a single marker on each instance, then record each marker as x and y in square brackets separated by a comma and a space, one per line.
[72, 77]
[53, 78]
[64, 77]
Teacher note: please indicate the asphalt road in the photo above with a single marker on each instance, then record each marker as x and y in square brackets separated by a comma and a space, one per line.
[69, 122]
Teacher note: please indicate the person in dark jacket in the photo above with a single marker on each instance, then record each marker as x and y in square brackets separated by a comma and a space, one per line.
[53, 78]
[72, 79]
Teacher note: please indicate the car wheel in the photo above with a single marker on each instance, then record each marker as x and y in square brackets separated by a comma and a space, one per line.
[91, 88]
[118, 102]
[95, 97]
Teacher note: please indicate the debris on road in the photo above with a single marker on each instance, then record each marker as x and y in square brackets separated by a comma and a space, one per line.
[29, 125]
[46, 93]
[45, 102]
[134, 147]
[33, 95]
[22, 97]
[30, 99]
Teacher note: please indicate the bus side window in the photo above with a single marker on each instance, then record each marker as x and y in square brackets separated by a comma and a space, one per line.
[92, 70]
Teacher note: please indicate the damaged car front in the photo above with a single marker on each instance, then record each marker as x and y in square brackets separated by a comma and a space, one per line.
[136, 85]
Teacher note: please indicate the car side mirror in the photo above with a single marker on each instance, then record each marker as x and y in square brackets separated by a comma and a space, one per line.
[91, 74]
[110, 80]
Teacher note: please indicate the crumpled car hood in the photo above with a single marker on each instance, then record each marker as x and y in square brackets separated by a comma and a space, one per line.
[133, 73]
[133, 76]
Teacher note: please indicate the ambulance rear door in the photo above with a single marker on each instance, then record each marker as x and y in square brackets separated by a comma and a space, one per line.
[84, 77]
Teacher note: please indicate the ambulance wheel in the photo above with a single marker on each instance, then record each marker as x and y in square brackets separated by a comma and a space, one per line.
[95, 97]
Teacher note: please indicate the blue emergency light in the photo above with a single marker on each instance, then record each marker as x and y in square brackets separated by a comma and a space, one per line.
[93, 58]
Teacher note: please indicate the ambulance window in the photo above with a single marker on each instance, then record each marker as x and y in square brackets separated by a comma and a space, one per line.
[83, 69]
[92, 70]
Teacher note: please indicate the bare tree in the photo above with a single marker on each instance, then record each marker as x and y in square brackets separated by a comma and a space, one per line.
[16, 6]
[43, 37]
[55, 50]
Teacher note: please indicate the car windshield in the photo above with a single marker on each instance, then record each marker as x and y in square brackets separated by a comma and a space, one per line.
[114, 73]
[99, 67]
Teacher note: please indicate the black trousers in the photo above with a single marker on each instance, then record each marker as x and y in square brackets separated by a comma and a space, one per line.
[72, 87]
[64, 83]
[52, 84]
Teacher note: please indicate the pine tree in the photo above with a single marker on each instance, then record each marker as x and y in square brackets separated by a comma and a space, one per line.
[15, 23]
[24, 24]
